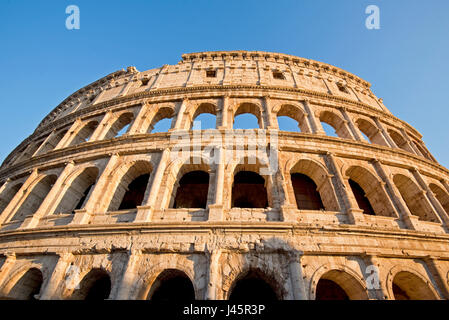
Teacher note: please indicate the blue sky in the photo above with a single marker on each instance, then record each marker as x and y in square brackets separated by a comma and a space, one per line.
[42, 62]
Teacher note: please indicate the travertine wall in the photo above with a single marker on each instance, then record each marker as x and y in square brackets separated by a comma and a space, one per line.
[76, 145]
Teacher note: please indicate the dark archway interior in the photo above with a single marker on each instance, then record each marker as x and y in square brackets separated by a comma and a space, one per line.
[192, 190]
[361, 199]
[399, 294]
[329, 290]
[28, 286]
[80, 203]
[249, 191]
[135, 193]
[173, 285]
[96, 285]
[306, 194]
[252, 287]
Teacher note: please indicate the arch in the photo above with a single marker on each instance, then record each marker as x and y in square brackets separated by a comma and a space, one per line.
[369, 192]
[84, 134]
[35, 197]
[248, 190]
[77, 193]
[250, 108]
[131, 185]
[399, 140]
[407, 284]
[28, 285]
[320, 177]
[192, 190]
[52, 142]
[9, 193]
[441, 195]
[340, 283]
[252, 285]
[202, 110]
[371, 131]
[296, 113]
[161, 114]
[337, 123]
[96, 285]
[124, 120]
[414, 198]
[306, 193]
[421, 150]
[172, 285]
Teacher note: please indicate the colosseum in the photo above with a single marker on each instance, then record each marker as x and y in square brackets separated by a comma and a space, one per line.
[97, 204]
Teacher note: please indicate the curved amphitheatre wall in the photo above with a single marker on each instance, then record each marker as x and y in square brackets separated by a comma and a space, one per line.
[85, 205]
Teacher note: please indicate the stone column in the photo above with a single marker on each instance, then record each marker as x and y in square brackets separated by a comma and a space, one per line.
[385, 134]
[50, 136]
[48, 205]
[136, 126]
[129, 276]
[269, 119]
[216, 209]
[57, 277]
[145, 211]
[18, 198]
[95, 203]
[438, 275]
[296, 276]
[224, 113]
[70, 134]
[180, 115]
[352, 127]
[102, 128]
[315, 125]
[344, 192]
[211, 290]
[378, 290]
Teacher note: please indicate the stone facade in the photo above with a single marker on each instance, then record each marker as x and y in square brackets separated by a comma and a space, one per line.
[51, 248]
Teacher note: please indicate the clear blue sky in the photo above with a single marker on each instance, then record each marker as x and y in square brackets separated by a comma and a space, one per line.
[42, 62]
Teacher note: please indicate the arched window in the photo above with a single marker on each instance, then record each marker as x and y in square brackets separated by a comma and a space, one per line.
[441, 195]
[192, 190]
[337, 124]
[52, 142]
[172, 285]
[120, 126]
[248, 190]
[361, 198]
[399, 140]
[371, 132]
[339, 285]
[96, 285]
[248, 116]
[162, 121]
[288, 124]
[252, 287]
[76, 195]
[408, 286]
[135, 193]
[204, 117]
[28, 286]
[306, 194]
[7, 195]
[291, 118]
[35, 197]
[85, 133]
[414, 198]
[329, 130]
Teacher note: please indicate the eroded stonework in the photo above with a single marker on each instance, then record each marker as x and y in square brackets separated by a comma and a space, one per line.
[64, 227]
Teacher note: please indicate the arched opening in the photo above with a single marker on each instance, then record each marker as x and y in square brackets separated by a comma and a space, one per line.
[337, 125]
[414, 198]
[248, 116]
[172, 285]
[76, 195]
[291, 118]
[339, 285]
[7, 195]
[84, 134]
[306, 194]
[28, 286]
[52, 142]
[120, 126]
[162, 121]
[252, 287]
[441, 195]
[399, 140]
[371, 132]
[204, 117]
[96, 285]
[329, 290]
[248, 190]
[192, 190]
[423, 152]
[35, 197]
[408, 286]
[361, 198]
[135, 193]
